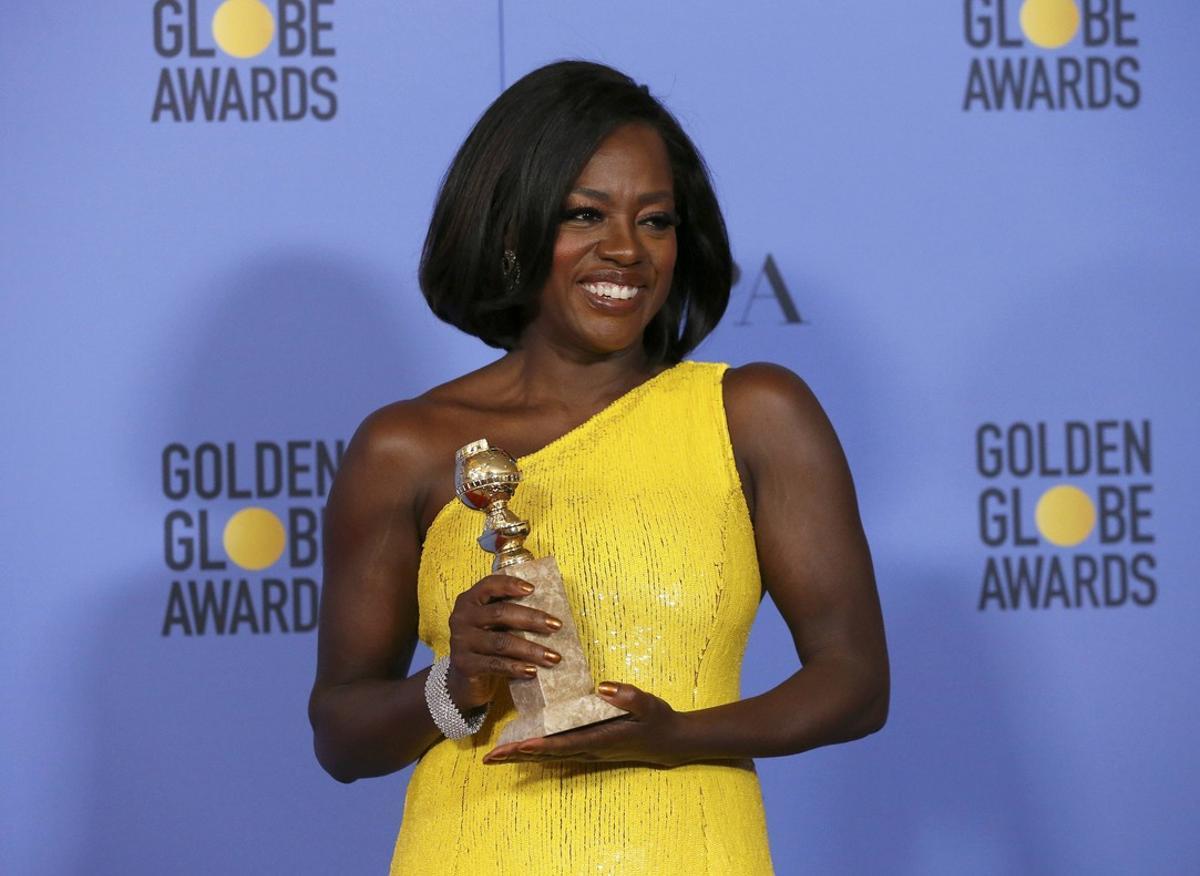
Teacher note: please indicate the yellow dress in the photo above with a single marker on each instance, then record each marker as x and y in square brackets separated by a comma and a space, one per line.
[643, 509]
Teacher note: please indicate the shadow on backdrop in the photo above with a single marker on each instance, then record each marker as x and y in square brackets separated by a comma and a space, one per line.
[918, 797]
[201, 744]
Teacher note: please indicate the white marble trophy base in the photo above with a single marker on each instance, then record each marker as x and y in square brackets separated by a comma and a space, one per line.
[560, 697]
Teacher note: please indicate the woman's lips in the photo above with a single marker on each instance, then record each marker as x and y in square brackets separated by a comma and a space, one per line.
[612, 290]
[612, 297]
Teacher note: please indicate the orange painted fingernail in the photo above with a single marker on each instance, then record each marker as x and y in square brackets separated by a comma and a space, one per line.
[607, 689]
[554, 623]
[530, 670]
[526, 586]
[552, 657]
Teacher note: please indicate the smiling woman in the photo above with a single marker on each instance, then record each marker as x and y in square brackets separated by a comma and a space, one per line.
[577, 230]
[616, 244]
[521, 178]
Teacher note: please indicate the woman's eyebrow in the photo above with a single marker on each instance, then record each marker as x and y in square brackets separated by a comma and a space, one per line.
[648, 197]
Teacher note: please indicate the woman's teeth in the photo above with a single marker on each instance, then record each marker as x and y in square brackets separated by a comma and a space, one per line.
[611, 290]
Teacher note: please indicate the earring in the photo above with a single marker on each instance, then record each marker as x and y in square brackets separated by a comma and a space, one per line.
[511, 269]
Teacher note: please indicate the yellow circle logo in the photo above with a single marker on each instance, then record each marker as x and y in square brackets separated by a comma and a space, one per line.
[254, 538]
[1050, 24]
[243, 28]
[1065, 515]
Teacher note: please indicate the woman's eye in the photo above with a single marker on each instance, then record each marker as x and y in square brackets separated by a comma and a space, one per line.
[656, 221]
[585, 214]
[662, 221]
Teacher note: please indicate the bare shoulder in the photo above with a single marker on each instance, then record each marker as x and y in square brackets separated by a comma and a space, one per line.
[785, 447]
[782, 440]
[388, 459]
[769, 407]
[402, 454]
[409, 433]
[394, 437]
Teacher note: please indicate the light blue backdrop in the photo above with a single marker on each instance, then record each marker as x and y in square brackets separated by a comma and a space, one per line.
[244, 282]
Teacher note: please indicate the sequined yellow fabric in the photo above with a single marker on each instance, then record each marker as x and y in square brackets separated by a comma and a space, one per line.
[642, 508]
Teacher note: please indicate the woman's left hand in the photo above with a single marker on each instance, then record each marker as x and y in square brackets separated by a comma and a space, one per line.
[650, 733]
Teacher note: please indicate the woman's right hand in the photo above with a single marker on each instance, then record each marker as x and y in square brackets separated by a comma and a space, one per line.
[483, 649]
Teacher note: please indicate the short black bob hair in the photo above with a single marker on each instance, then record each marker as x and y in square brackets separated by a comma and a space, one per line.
[506, 188]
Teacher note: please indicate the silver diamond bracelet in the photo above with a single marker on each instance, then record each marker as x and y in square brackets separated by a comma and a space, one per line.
[441, 707]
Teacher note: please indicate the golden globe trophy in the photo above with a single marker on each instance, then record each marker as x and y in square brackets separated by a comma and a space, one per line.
[561, 697]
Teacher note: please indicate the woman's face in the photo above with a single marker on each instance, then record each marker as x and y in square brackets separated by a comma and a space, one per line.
[614, 256]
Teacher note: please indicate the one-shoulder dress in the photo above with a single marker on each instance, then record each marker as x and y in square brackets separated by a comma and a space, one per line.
[643, 509]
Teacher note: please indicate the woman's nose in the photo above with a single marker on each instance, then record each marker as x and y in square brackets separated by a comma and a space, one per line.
[619, 243]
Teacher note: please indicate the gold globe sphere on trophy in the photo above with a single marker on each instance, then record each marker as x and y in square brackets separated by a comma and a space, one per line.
[561, 697]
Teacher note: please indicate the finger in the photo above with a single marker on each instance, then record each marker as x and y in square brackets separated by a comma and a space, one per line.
[553, 747]
[632, 699]
[525, 751]
[478, 665]
[580, 742]
[561, 744]
[511, 616]
[583, 743]
[497, 643]
[502, 753]
[494, 587]
[545, 757]
[538, 756]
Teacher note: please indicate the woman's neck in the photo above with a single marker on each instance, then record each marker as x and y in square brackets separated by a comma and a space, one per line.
[544, 375]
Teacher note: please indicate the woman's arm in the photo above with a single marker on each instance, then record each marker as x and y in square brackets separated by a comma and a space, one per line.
[816, 565]
[369, 719]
